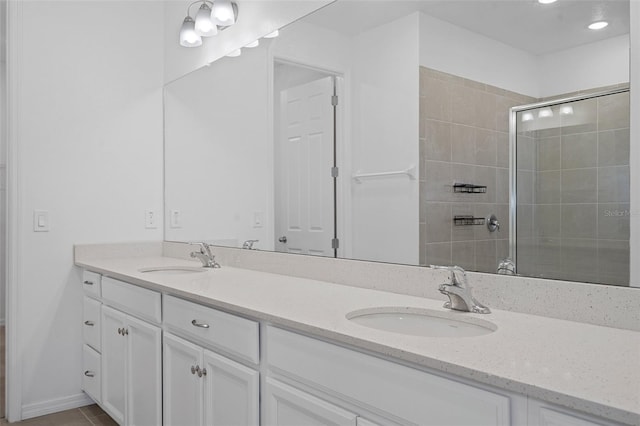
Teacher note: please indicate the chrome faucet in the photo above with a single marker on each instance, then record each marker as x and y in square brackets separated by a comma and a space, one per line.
[459, 292]
[249, 244]
[204, 255]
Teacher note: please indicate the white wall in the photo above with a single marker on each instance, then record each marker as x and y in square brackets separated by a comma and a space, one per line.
[455, 50]
[599, 64]
[385, 138]
[217, 144]
[86, 145]
[256, 18]
[3, 161]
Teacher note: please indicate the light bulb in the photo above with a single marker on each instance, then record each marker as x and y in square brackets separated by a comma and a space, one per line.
[566, 110]
[546, 1]
[222, 13]
[253, 44]
[527, 116]
[204, 25]
[545, 112]
[598, 25]
[274, 34]
[188, 35]
[234, 53]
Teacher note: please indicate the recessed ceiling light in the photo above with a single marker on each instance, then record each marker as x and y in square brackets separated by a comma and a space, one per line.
[598, 25]
[546, 1]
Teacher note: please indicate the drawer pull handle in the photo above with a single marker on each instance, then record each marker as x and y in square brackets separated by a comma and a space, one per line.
[89, 373]
[89, 323]
[87, 282]
[195, 323]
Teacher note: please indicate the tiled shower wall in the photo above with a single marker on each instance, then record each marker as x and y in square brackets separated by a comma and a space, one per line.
[464, 138]
[573, 194]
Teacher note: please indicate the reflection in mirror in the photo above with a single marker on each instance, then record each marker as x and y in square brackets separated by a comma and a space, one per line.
[379, 130]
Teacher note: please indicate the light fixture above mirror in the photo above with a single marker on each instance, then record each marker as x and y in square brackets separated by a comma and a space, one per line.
[211, 16]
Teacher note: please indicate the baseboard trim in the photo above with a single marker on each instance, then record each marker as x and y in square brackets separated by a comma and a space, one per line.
[55, 405]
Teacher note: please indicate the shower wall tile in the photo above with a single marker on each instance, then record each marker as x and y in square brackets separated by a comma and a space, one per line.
[526, 153]
[463, 173]
[502, 250]
[579, 150]
[613, 262]
[438, 140]
[485, 110]
[579, 259]
[547, 187]
[549, 153]
[613, 147]
[438, 254]
[485, 176]
[463, 254]
[524, 187]
[481, 232]
[524, 224]
[436, 102]
[549, 256]
[502, 186]
[438, 222]
[486, 147]
[613, 111]
[486, 258]
[463, 144]
[438, 181]
[462, 233]
[579, 186]
[463, 109]
[584, 118]
[547, 220]
[579, 221]
[613, 221]
[613, 184]
[502, 148]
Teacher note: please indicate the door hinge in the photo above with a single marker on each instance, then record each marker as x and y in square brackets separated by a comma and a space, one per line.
[334, 172]
[335, 243]
[334, 100]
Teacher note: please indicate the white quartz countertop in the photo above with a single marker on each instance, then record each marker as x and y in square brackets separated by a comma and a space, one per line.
[585, 367]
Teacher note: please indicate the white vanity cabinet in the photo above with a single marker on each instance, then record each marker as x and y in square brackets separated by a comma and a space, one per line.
[203, 387]
[91, 335]
[367, 384]
[131, 361]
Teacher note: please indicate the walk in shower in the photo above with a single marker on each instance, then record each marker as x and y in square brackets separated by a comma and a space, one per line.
[569, 189]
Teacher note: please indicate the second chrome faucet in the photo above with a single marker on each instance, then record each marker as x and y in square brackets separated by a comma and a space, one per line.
[459, 292]
[204, 255]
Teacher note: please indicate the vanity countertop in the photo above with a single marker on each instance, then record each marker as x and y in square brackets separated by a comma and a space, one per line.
[585, 367]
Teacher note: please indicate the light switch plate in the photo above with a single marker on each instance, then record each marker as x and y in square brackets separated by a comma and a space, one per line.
[258, 219]
[40, 221]
[175, 220]
[150, 219]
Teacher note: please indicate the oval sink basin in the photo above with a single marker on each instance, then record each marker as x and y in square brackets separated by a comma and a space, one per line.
[171, 270]
[421, 322]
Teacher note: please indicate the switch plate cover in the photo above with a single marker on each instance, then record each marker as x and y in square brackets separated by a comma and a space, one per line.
[40, 221]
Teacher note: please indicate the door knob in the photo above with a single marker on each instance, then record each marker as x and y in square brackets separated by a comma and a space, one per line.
[283, 239]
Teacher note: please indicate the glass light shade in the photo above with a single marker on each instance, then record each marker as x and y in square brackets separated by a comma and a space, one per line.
[253, 44]
[546, 1]
[545, 112]
[222, 13]
[204, 25]
[234, 53]
[188, 35]
[274, 34]
[566, 110]
[527, 116]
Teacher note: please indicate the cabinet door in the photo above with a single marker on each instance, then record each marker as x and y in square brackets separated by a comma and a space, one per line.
[113, 363]
[182, 396]
[230, 392]
[287, 406]
[144, 373]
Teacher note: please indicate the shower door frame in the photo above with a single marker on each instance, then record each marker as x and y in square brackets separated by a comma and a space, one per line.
[513, 158]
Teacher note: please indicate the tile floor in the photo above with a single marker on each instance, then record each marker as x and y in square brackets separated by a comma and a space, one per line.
[83, 416]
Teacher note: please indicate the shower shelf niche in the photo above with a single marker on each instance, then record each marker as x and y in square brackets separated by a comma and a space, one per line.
[469, 188]
[468, 220]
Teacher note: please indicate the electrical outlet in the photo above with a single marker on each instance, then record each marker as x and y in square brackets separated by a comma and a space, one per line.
[150, 219]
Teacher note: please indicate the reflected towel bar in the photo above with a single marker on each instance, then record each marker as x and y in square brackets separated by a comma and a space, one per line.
[410, 173]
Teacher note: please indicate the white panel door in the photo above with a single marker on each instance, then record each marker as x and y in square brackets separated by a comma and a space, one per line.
[304, 157]
[113, 363]
[144, 373]
[231, 392]
[287, 406]
[182, 396]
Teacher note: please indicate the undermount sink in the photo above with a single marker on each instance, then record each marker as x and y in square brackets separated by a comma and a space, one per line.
[166, 270]
[421, 322]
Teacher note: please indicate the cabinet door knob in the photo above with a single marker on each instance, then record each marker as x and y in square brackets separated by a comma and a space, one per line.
[89, 373]
[87, 282]
[196, 323]
[125, 331]
[89, 323]
[119, 331]
[193, 370]
[204, 372]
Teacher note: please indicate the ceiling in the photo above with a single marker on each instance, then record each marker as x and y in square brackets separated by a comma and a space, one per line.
[523, 24]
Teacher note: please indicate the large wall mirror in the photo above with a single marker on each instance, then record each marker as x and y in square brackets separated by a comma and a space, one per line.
[418, 132]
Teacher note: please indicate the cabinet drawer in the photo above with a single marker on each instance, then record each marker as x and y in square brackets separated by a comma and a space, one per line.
[235, 335]
[413, 395]
[91, 283]
[135, 300]
[91, 323]
[91, 373]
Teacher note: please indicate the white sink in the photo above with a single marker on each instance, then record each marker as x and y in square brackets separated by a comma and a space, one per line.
[172, 270]
[422, 322]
